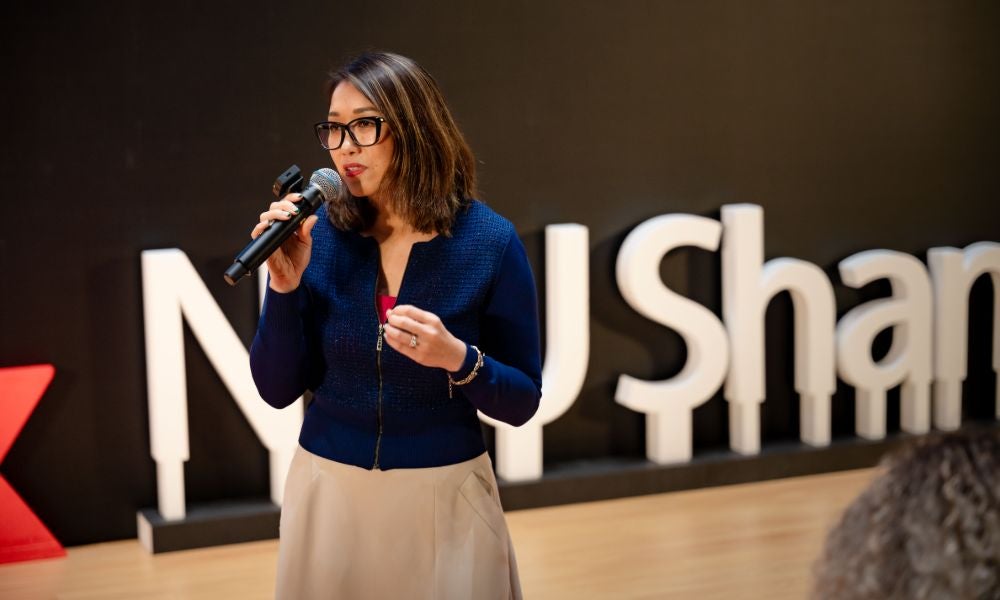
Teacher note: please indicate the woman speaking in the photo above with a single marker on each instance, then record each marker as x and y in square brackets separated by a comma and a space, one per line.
[404, 305]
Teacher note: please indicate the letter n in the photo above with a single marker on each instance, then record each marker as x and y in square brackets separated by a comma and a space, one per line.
[172, 291]
[953, 272]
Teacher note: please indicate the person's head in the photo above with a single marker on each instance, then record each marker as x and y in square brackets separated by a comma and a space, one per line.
[420, 167]
[927, 527]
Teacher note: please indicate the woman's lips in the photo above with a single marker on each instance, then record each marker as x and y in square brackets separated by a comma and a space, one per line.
[353, 169]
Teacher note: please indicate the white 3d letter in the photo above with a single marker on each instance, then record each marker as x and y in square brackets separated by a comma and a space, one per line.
[953, 273]
[908, 362]
[171, 290]
[567, 335]
[747, 288]
[668, 404]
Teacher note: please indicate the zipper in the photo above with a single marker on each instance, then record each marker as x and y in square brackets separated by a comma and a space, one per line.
[378, 367]
[378, 360]
[378, 347]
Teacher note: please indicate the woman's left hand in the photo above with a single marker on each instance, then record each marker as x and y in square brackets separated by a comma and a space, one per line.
[422, 336]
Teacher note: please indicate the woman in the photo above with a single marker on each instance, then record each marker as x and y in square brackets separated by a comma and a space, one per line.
[927, 528]
[405, 306]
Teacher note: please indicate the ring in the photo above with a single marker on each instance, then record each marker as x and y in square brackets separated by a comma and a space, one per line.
[413, 340]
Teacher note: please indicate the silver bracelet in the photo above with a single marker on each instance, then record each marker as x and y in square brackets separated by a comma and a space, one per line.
[470, 376]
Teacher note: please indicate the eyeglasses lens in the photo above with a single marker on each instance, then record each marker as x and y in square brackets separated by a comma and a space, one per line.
[363, 132]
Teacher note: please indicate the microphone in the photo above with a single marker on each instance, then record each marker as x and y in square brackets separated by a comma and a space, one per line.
[323, 185]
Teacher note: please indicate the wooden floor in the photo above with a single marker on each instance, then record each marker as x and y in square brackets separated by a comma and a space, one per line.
[745, 541]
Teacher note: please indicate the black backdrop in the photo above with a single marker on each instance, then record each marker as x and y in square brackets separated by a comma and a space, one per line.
[132, 126]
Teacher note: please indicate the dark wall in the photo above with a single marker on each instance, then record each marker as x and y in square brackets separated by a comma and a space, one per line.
[856, 125]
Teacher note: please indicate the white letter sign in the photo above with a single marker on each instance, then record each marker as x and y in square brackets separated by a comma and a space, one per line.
[748, 285]
[668, 404]
[171, 288]
[567, 340]
[908, 362]
[953, 273]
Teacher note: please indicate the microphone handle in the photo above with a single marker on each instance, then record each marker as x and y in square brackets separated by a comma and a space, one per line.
[258, 250]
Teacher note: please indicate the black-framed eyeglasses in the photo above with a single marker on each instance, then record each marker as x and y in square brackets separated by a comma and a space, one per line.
[364, 131]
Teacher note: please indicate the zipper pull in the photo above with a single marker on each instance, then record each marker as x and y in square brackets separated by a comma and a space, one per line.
[378, 345]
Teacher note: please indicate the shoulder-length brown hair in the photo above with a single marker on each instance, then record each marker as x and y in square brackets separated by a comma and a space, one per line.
[433, 172]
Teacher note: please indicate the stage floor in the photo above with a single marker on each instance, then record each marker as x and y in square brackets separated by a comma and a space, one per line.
[746, 541]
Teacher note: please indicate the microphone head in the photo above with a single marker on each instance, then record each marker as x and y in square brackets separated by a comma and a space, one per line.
[328, 182]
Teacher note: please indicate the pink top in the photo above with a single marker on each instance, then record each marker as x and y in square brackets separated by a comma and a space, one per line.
[384, 304]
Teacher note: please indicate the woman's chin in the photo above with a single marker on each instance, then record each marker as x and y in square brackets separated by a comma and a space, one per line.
[357, 190]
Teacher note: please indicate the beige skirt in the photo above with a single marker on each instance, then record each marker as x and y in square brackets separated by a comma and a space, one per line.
[435, 533]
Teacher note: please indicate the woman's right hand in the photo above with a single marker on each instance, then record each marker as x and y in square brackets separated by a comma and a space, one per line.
[289, 261]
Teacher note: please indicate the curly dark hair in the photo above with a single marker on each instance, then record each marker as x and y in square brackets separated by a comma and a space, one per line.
[927, 527]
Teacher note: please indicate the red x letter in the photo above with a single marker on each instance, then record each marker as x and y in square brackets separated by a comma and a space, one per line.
[22, 535]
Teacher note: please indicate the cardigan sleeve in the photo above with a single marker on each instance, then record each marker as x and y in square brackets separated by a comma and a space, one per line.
[285, 359]
[508, 386]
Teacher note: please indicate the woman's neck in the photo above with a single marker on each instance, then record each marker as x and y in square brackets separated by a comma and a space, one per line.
[387, 224]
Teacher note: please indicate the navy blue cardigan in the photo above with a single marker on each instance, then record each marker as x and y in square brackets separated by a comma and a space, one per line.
[372, 406]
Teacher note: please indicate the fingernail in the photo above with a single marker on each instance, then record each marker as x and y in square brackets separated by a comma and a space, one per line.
[295, 210]
[288, 214]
